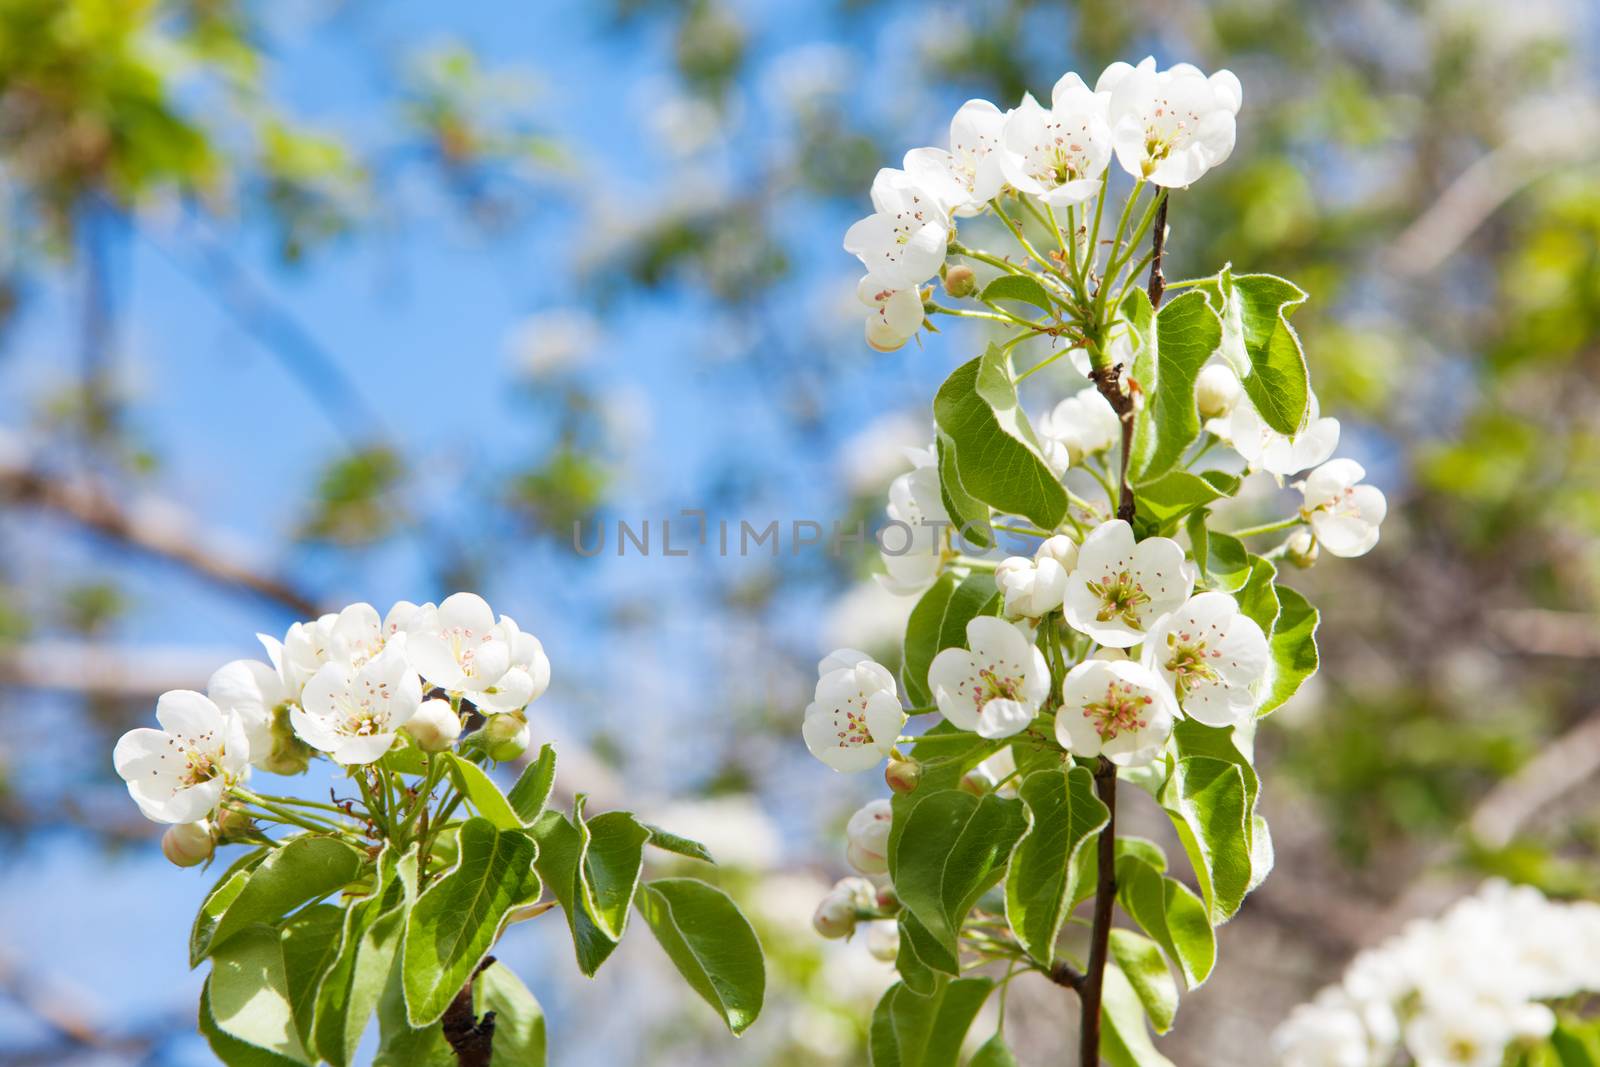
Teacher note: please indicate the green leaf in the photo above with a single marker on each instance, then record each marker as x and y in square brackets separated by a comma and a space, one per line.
[223, 893]
[311, 942]
[1164, 502]
[1142, 963]
[308, 868]
[909, 1030]
[1576, 1043]
[993, 1053]
[1258, 598]
[969, 515]
[1063, 813]
[997, 456]
[1171, 914]
[682, 846]
[939, 621]
[351, 988]
[1168, 360]
[456, 918]
[1124, 1040]
[1017, 287]
[519, 1031]
[229, 1049]
[532, 789]
[1263, 348]
[248, 995]
[592, 867]
[915, 942]
[481, 792]
[1206, 799]
[953, 848]
[1294, 649]
[711, 943]
[1223, 561]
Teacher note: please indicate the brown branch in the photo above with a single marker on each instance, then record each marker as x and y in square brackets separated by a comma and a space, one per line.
[1065, 974]
[1105, 894]
[1107, 381]
[1158, 248]
[470, 1038]
[149, 527]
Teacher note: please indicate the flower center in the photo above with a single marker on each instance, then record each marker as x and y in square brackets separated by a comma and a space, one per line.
[1187, 661]
[1122, 710]
[854, 731]
[1120, 598]
[198, 767]
[992, 686]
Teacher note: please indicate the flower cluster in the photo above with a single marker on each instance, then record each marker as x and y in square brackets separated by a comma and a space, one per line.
[347, 685]
[1458, 991]
[1165, 127]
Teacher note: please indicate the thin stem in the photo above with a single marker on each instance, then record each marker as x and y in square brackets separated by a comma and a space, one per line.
[1022, 531]
[964, 313]
[1105, 892]
[1105, 483]
[975, 564]
[1043, 363]
[1271, 527]
[1016, 232]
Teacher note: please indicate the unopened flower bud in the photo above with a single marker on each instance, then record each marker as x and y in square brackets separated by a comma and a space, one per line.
[888, 899]
[868, 834]
[188, 843]
[976, 782]
[839, 911]
[1301, 549]
[505, 737]
[883, 940]
[881, 336]
[232, 824]
[434, 726]
[1216, 390]
[1031, 589]
[902, 775]
[1062, 549]
[960, 281]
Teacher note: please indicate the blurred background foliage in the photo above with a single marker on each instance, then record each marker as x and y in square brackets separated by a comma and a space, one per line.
[607, 239]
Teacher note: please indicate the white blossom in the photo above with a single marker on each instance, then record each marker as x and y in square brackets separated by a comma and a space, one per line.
[1170, 126]
[867, 837]
[1121, 588]
[1344, 513]
[995, 685]
[252, 691]
[895, 315]
[969, 175]
[1213, 656]
[1266, 449]
[855, 718]
[903, 242]
[1116, 708]
[525, 679]
[1323, 1033]
[1058, 153]
[911, 545]
[354, 713]
[178, 774]
[1081, 425]
[457, 646]
[1031, 587]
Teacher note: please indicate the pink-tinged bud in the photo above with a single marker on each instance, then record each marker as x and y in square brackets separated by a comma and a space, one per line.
[976, 782]
[1217, 390]
[841, 909]
[960, 281]
[902, 775]
[868, 834]
[188, 844]
[888, 899]
[505, 737]
[434, 726]
[232, 824]
[1302, 549]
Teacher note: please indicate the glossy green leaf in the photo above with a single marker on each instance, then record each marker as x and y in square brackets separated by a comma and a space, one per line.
[229, 1049]
[909, 1030]
[993, 1053]
[1145, 968]
[371, 934]
[592, 867]
[1017, 287]
[1164, 502]
[248, 993]
[915, 944]
[969, 516]
[457, 917]
[519, 1028]
[939, 621]
[1261, 345]
[482, 793]
[1124, 1039]
[997, 456]
[667, 841]
[532, 789]
[312, 939]
[1223, 560]
[711, 943]
[1063, 814]
[1294, 649]
[1207, 802]
[227, 888]
[1258, 598]
[308, 868]
[1171, 347]
[1170, 912]
[953, 848]
[1576, 1043]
